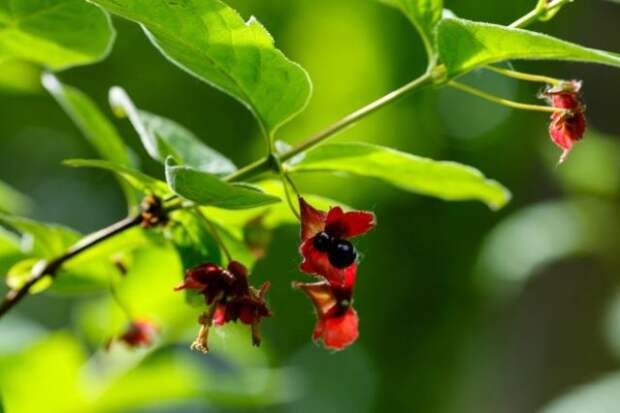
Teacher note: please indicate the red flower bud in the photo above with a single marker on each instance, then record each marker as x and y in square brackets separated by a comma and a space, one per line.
[567, 127]
[139, 333]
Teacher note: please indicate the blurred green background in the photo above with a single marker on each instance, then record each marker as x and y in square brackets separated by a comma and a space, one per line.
[462, 309]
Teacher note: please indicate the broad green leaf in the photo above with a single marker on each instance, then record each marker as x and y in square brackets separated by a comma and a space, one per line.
[13, 201]
[599, 396]
[10, 250]
[43, 240]
[162, 138]
[54, 33]
[192, 239]
[51, 370]
[19, 77]
[138, 180]
[207, 189]
[211, 41]
[94, 125]
[446, 180]
[465, 45]
[424, 14]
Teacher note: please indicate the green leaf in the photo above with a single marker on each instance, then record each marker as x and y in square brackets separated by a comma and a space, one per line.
[424, 14]
[19, 77]
[140, 181]
[211, 41]
[465, 45]
[51, 370]
[191, 238]
[10, 250]
[13, 201]
[54, 33]
[94, 126]
[45, 240]
[446, 180]
[162, 138]
[207, 189]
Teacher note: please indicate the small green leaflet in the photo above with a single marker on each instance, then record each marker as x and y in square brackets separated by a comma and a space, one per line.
[56, 34]
[13, 201]
[446, 180]
[94, 125]
[424, 14]
[211, 41]
[162, 138]
[465, 45]
[138, 180]
[208, 189]
[46, 240]
[191, 238]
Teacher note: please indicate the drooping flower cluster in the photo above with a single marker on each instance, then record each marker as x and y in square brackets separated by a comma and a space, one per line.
[567, 127]
[139, 333]
[329, 255]
[229, 297]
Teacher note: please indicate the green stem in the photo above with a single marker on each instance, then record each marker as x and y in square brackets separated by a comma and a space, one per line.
[354, 117]
[502, 101]
[542, 7]
[524, 76]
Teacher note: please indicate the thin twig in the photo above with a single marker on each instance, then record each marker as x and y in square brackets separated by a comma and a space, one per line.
[13, 297]
[502, 101]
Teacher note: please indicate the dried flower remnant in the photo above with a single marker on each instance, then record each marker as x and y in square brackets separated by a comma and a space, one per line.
[230, 299]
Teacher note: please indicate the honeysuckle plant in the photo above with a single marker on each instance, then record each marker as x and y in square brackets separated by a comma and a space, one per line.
[206, 203]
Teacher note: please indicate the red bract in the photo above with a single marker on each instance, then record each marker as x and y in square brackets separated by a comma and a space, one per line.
[139, 333]
[337, 321]
[231, 298]
[568, 127]
[325, 246]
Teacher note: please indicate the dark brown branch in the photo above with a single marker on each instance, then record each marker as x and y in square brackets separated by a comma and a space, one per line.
[13, 297]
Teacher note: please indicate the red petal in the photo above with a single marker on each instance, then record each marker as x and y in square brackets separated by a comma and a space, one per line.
[350, 224]
[340, 332]
[316, 262]
[219, 317]
[312, 220]
[319, 329]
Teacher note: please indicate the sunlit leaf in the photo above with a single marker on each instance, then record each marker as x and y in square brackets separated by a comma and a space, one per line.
[191, 237]
[54, 33]
[51, 370]
[46, 240]
[13, 201]
[211, 41]
[10, 250]
[424, 14]
[138, 180]
[464, 45]
[163, 137]
[19, 77]
[94, 125]
[207, 189]
[446, 180]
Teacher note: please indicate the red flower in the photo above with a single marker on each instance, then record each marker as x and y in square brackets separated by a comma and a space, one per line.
[230, 296]
[325, 246]
[337, 321]
[568, 127]
[139, 333]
